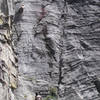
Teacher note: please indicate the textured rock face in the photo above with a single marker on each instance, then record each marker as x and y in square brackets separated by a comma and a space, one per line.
[8, 64]
[57, 44]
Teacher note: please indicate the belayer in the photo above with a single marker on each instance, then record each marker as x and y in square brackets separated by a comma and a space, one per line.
[38, 97]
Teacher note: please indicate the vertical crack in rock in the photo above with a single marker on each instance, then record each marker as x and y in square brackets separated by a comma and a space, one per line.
[60, 70]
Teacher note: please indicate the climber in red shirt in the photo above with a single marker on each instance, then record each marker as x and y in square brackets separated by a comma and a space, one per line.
[43, 13]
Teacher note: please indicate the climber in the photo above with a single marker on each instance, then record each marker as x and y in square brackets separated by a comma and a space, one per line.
[18, 14]
[42, 14]
[38, 97]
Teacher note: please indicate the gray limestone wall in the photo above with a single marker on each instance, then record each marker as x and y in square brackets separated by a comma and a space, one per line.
[57, 46]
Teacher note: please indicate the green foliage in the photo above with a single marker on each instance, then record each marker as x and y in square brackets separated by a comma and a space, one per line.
[53, 91]
[53, 94]
[25, 96]
[50, 98]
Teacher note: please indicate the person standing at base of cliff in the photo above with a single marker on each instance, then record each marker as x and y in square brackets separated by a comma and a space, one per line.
[18, 14]
[38, 97]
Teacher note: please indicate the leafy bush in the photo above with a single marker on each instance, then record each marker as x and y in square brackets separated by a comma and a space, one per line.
[50, 98]
[53, 91]
[53, 94]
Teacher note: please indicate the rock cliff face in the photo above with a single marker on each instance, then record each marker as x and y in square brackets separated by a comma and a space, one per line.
[8, 59]
[57, 46]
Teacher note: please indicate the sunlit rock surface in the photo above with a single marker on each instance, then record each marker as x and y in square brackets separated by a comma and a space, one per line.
[8, 59]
